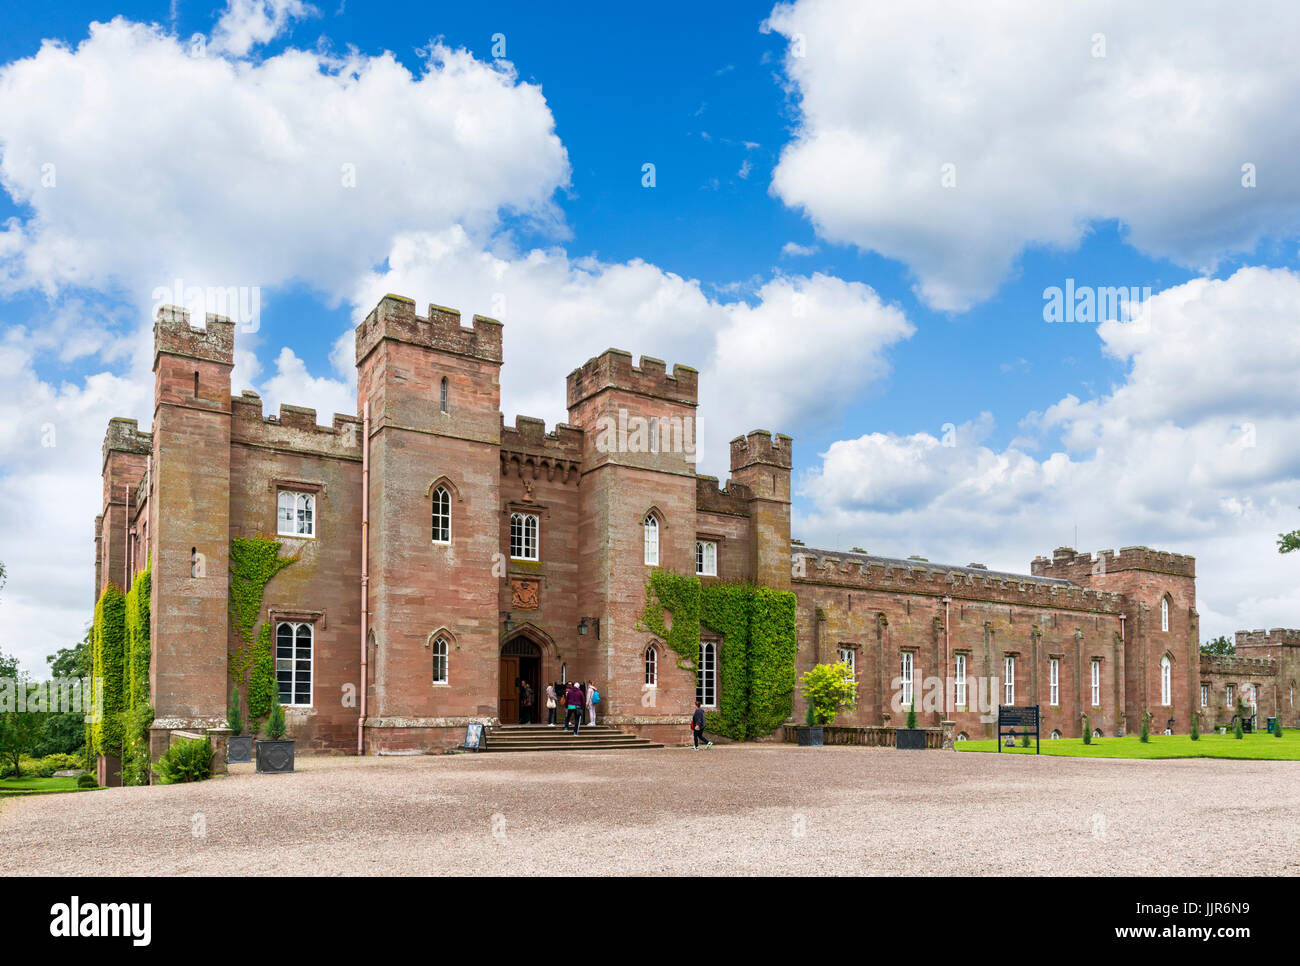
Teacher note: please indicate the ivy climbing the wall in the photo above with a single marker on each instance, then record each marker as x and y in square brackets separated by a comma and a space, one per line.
[135, 719]
[253, 562]
[108, 650]
[756, 674]
[137, 638]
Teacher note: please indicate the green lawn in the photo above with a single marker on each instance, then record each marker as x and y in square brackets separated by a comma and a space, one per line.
[1256, 746]
[31, 785]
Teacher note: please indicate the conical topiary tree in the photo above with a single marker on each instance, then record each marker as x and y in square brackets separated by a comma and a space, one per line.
[275, 727]
[1236, 729]
[1087, 730]
[234, 720]
[1277, 727]
[1146, 727]
[911, 713]
[1196, 726]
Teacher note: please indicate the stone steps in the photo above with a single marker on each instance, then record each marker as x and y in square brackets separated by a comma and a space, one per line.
[519, 738]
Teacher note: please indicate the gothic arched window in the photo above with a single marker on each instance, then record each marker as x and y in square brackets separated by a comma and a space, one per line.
[441, 515]
[651, 527]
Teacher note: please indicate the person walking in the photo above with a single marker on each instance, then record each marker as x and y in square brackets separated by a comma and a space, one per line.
[550, 705]
[697, 727]
[593, 699]
[573, 701]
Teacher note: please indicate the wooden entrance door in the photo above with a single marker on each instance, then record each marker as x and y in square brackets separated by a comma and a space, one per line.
[508, 695]
[520, 658]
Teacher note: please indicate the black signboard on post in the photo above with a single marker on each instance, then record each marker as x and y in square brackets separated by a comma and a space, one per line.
[475, 739]
[1025, 718]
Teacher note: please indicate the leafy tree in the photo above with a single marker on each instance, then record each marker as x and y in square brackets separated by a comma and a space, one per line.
[1220, 645]
[1286, 542]
[20, 731]
[829, 689]
[65, 731]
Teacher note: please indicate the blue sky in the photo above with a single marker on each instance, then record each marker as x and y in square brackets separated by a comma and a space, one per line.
[797, 154]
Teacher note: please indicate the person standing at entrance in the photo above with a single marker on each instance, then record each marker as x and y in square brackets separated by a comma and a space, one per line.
[550, 706]
[525, 701]
[593, 699]
[697, 727]
[573, 699]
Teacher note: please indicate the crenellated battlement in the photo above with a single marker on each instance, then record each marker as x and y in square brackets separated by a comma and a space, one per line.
[1277, 637]
[529, 436]
[613, 369]
[394, 318]
[174, 333]
[124, 436]
[760, 447]
[1070, 565]
[711, 498]
[294, 429]
[1235, 664]
[907, 577]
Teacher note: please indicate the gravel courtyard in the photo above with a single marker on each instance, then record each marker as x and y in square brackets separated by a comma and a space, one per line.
[737, 810]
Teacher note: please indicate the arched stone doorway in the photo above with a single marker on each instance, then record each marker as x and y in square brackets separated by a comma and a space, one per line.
[521, 658]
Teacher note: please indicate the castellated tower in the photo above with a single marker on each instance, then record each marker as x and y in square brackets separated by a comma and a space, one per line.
[189, 518]
[638, 462]
[1161, 622]
[433, 394]
[762, 464]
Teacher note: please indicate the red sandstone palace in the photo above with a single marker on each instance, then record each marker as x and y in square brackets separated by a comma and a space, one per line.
[441, 554]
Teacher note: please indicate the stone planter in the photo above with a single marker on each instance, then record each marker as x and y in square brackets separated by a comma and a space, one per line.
[910, 739]
[239, 749]
[274, 757]
[809, 737]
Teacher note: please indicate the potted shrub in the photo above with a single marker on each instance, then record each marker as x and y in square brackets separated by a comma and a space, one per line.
[810, 734]
[829, 689]
[910, 738]
[239, 748]
[275, 752]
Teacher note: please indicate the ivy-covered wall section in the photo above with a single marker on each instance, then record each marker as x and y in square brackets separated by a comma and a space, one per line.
[756, 673]
[253, 562]
[107, 653]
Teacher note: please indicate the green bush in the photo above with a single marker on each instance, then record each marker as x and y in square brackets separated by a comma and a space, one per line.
[61, 762]
[1196, 726]
[87, 780]
[275, 728]
[1277, 728]
[1146, 727]
[1024, 738]
[1087, 730]
[911, 713]
[1236, 729]
[188, 760]
[810, 717]
[829, 689]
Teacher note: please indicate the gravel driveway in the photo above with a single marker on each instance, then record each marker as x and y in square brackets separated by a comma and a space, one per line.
[734, 810]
